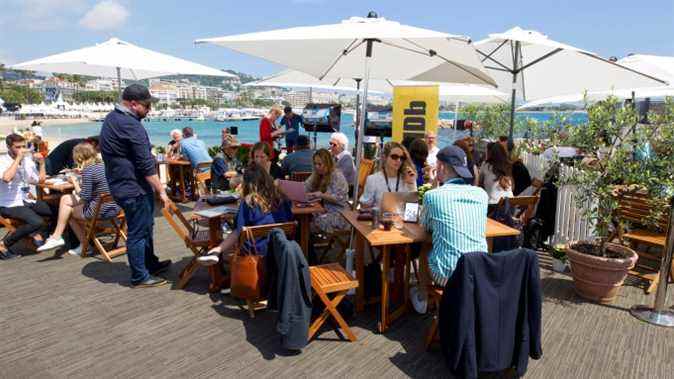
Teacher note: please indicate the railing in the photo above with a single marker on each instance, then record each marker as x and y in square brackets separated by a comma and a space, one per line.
[570, 225]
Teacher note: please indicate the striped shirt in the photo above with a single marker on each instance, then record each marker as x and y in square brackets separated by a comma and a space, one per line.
[456, 215]
[93, 186]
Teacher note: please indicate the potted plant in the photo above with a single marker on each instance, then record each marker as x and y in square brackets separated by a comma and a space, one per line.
[611, 168]
[559, 258]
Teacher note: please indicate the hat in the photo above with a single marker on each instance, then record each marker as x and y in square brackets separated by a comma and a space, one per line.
[137, 92]
[230, 141]
[455, 157]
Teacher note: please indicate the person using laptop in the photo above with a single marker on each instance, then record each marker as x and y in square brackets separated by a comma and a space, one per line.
[397, 174]
[261, 204]
[327, 184]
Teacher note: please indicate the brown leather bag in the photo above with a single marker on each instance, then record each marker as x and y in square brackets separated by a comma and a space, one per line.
[247, 271]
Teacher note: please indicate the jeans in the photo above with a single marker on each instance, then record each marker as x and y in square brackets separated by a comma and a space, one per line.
[139, 213]
[30, 214]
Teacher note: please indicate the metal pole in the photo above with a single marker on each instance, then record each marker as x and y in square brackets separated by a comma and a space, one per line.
[658, 315]
[456, 115]
[357, 122]
[311, 100]
[516, 59]
[361, 120]
[119, 83]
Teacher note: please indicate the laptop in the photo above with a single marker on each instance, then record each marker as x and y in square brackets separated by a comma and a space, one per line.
[406, 203]
[295, 191]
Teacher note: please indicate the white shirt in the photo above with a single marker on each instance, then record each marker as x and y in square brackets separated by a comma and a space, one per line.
[375, 186]
[12, 193]
[490, 183]
[432, 158]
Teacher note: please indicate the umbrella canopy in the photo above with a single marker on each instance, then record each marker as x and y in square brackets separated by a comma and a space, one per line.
[104, 60]
[465, 93]
[339, 51]
[655, 65]
[543, 67]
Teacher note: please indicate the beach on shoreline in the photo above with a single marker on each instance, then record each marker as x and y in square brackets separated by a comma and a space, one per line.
[7, 126]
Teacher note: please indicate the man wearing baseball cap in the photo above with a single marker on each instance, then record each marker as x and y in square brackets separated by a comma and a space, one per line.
[455, 213]
[132, 177]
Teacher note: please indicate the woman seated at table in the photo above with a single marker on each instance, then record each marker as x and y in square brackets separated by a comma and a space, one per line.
[495, 175]
[261, 153]
[261, 204]
[397, 174]
[327, 184]
[82, 203]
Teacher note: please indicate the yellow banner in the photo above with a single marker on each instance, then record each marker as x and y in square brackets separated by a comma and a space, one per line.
[415, 111]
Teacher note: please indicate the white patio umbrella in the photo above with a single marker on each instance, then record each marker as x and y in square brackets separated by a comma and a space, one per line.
[118, 59]
[533, 67]
[365, 48]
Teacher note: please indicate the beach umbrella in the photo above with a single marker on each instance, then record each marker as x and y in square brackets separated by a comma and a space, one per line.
[115, 58]
[365, 48]
[532, 67]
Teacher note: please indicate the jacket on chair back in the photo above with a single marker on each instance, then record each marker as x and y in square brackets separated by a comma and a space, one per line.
[490, 313]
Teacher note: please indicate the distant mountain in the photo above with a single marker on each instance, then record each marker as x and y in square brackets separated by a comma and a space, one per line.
[245, 78]
[214, 81]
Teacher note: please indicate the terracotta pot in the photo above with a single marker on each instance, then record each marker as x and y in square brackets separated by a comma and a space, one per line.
[597, 278]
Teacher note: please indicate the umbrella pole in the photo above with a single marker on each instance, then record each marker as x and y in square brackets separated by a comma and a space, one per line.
[516, 60]
[456, 115]
[119, 83]
[361, 120]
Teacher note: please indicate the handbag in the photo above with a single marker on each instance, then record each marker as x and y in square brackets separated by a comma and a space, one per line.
[247, 268]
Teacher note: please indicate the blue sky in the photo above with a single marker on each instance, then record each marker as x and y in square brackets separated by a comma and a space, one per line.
[36, 28]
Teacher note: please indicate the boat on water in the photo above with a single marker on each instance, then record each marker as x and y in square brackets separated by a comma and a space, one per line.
[237, 115]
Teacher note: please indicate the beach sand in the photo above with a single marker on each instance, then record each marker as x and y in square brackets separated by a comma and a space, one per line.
[7, 125]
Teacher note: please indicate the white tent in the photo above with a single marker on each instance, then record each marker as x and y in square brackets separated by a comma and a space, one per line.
[365, 48]
[533, 67]
[117, 59]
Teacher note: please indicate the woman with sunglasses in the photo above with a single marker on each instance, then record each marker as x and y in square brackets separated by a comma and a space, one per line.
[397, 174]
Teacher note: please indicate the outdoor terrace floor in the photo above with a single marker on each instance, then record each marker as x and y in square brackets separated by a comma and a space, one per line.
[75, 317]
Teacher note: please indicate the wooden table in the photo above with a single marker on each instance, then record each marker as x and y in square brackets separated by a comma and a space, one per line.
[385, 240]
[180, 182]
[45, 188]
[215, 220]
[303, 215]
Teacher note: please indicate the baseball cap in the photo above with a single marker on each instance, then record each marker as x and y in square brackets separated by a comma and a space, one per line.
[137, 92]
[455, 157]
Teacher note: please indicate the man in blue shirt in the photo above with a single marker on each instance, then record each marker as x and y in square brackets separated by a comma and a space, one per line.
[301, 160]
[455, 213]
[132, 177]
[292, 123]
[193, 149]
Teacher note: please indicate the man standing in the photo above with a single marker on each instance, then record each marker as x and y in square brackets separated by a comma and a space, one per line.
[432, 142]
[132, 176]
[339, 145]
[301, 160]
[18, 170]
[455, 213]
[292, 123]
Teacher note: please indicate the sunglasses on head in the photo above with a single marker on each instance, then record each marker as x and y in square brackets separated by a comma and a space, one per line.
[396, 157]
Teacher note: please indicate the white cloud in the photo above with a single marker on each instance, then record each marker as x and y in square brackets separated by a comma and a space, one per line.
[105, 15]
[42, 14]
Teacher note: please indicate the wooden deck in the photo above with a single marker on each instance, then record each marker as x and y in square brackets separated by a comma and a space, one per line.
[76, 317]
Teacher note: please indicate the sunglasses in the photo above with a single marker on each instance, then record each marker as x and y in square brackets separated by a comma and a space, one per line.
[333, 144]
[397, 157]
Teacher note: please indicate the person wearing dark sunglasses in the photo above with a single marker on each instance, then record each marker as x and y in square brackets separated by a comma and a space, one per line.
[397, 174]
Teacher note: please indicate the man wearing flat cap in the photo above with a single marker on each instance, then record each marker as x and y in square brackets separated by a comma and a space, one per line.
[132, 177]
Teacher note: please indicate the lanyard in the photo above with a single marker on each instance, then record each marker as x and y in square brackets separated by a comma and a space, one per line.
[397, 182]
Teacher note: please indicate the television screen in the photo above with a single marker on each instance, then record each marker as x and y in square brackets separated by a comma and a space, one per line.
[323, 118]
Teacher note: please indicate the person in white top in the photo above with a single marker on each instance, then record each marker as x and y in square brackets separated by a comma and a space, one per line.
[397, 174]
[18, 170]
[339, 148]
[496, 174]
[432, 142]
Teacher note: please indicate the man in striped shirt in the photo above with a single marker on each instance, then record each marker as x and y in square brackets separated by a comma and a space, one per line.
[455, 214]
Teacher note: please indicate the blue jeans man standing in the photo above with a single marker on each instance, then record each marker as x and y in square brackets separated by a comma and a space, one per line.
[131, 173]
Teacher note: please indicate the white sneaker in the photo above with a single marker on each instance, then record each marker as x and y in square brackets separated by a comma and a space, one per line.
[208, 260]
[418, 299]
[51, 244]
[76, 251]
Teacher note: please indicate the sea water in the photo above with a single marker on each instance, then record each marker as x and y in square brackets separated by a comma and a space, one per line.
[209, 130]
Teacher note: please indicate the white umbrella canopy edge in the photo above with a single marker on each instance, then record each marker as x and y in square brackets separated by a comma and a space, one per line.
[338, 50]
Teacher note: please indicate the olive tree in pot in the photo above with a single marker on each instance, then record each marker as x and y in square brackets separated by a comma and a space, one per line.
[621, 157]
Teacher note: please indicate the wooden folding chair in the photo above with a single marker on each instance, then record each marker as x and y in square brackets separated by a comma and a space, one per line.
[195, 240]
[331, 280]
[300, 176]
[202, 177]
[364, 170]
[95, 227]
[261, 231]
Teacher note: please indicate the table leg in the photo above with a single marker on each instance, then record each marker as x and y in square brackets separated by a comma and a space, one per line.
[408, 274]
[490, 245]
[181, 179]
[360, 273]
[383, 324]
[304, 231]
[214, 239]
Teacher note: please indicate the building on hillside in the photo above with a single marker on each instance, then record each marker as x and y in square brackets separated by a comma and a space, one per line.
[54, 86]
[101, 85]
[297, 99]
[166, 92]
